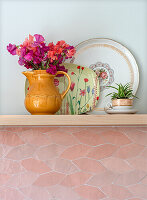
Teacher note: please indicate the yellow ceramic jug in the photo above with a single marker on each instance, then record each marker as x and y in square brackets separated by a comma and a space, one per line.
[43, 97]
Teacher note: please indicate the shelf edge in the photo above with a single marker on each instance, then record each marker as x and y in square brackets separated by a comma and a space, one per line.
[74, 120]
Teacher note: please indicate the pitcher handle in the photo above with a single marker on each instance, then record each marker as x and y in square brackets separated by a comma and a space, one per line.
[69, 82]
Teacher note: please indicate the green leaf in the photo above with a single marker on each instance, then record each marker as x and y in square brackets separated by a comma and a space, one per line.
[71, 105]
[79, 102]
[123, 91]
[112, 87]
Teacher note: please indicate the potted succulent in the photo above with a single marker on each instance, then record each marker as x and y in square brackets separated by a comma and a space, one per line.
[123, 96]
[44, 61]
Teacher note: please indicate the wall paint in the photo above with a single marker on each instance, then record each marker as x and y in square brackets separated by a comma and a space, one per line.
[73, 21]
[73, 163]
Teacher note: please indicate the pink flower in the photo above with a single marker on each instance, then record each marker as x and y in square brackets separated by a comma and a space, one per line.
[82, 92]
[72, 73]
[34, 53]
[23, 51]
[25, 43]
[62, 44]
[21, 61]
[51, 46]
[72, 86]
[29, 56]
[103, 75]
[71, 52]
[39, 38]
[29, 41]
[56, 82]
[12, 49]
[18, 52]
[31, 38]
[51, 55]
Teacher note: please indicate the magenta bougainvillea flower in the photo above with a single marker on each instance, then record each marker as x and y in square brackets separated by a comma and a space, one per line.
[29, 56]
[12, 49]
[35, 54]
[52, 69]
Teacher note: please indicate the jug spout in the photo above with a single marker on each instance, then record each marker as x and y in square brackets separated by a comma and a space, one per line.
[29, 75]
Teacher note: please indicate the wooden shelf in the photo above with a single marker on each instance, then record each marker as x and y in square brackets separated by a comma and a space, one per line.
[74, 120]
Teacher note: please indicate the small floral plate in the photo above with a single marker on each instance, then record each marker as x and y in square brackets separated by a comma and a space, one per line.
[83, 95]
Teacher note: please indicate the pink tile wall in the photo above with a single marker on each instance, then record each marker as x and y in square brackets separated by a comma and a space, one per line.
[73, 163]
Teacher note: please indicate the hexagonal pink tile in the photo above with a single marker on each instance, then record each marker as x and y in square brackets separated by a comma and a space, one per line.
[21, 152]
[10, 167]
[138, 163]
[116, 192]
[129, 151]
[62, 193]
[75, 179]
[90, 193]
[65, 166]
[10, 193]
[105, 178]
[34, 165]
[35, 193]
[10, 139]
[75, 152]
[102, 151]
[35, 137]
[49, 179]
[89, 137]
[129, 178]
[139, 190]
[22, 179]
[50, 151]
[89, 165]
[116, 165]
[4, 178]
[115, 137]
[137, 136]
[62, 138]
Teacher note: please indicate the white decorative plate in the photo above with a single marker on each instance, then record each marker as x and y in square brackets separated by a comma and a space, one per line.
[112, 62]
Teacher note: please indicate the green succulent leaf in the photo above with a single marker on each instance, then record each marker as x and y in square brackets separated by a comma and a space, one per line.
[123, 91]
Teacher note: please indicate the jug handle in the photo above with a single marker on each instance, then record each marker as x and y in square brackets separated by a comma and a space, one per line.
[69, 82]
